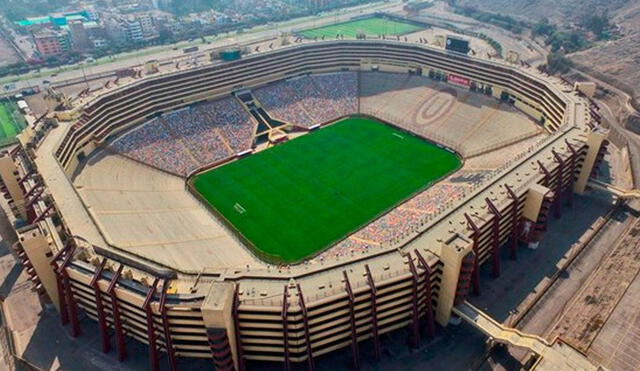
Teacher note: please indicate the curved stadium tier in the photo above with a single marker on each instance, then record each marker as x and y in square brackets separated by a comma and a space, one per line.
[299, 201]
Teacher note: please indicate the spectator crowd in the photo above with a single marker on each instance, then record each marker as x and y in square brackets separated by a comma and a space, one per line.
[310, 100]
[187, 139]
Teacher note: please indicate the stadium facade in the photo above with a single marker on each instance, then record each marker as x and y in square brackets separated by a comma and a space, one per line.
[292, 314]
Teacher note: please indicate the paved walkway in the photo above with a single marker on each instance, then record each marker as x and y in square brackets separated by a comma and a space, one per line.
[76, 216]
[556, 356]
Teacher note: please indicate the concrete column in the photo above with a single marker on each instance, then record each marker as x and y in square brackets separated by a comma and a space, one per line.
[217, 313]
[452, 253]
[594, 142]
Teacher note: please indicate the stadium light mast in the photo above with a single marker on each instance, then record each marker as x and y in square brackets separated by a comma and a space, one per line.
[84, 76]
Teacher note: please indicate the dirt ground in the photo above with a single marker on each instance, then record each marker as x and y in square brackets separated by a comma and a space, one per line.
[7, 54]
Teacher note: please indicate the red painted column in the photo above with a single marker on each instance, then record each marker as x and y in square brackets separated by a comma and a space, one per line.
[14, 152]
[352, 322]
[35, 197]
[25, 177]
[62, 296]
[151, 327]
[559, 185]
[171, 353]
[33, 189]
[496, 238]
[285, 328]
[415, 337]
[62, 301]
[464, 278]
[43, 215]
[220, 349]
[547, 176]
[71, 302]
[374, 313]
[305, 321]
[102, 318]
[117, 320]
[547, 183]
[475, 276]
[431, 325]
[513, 247]
[572, 165]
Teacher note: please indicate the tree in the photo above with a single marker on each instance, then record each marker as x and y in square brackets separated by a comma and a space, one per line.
[558, 63]
[567, 41]
[165, 35]
[597, 23]
[543, 28]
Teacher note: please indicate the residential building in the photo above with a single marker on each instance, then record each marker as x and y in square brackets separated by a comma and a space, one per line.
[79, 36]
[147, 26]
[51, 42]
[133, 30]
[115, 30]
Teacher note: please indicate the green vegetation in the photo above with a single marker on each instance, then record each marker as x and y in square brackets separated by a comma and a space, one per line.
[556, 63]
[565, 41]
[295, 199]
[598, 24]
[559, 41]
[568, 42]
[370, 26]
[11, 122]
[543, 28]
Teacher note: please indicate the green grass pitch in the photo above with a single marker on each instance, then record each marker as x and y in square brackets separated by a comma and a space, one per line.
[10, 125]
[293, 200]
[370, 26]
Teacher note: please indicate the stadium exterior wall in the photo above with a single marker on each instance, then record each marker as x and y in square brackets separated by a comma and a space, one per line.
[408, 286]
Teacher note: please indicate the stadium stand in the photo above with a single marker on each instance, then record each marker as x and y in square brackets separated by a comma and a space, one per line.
[128, 198]
[187, 139]
[471, 123]
[233, 121]
[200, 136]
[152, 144]
[310, 100]
[215, 130]
[279, 99]
[376, 89]
[301, 299]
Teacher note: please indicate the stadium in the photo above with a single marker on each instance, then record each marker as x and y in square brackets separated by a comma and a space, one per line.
[296, 201]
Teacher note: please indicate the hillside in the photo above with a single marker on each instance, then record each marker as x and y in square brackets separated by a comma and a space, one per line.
[619, 58]
[558, 11]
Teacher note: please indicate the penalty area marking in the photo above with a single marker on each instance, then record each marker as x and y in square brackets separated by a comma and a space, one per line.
[239, 208]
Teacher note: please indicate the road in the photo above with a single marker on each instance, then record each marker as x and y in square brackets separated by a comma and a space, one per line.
[611, 119]
[543, 314]
[164, 52]
[528, 49]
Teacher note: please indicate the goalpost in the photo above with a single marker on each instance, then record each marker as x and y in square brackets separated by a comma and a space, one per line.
[239, 208]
